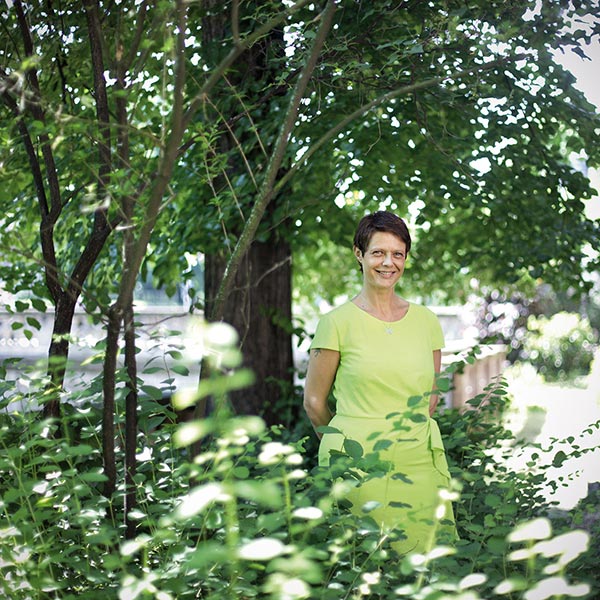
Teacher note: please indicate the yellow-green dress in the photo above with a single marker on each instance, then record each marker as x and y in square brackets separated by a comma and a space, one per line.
[384, 371]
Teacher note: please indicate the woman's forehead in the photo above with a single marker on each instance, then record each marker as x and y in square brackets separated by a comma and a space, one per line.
[386, 239]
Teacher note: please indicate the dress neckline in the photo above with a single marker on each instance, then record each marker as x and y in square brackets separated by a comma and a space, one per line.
[362, 310]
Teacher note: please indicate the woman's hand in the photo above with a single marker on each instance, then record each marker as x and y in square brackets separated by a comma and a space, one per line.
[322, 367]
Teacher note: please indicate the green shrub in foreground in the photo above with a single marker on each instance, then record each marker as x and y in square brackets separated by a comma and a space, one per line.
[248, 519]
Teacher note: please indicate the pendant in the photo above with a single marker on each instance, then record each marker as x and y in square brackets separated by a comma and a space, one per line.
[388, 330]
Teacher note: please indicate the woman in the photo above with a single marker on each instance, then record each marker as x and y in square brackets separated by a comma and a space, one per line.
[380, 353]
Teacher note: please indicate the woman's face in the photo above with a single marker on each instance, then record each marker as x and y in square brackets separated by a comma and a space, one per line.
[383, 260]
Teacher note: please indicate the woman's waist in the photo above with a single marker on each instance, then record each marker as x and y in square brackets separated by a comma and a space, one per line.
[362, 426]
[414, 417]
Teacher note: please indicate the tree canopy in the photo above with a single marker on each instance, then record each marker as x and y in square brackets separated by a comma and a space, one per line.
[136, 132]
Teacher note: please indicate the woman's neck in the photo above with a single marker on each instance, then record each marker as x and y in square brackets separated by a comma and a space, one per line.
[384, 304]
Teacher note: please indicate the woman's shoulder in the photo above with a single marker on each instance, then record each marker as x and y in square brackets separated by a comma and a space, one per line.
[339, 313]
[422, 311]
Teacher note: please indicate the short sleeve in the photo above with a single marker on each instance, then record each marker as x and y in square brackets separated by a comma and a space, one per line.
[326, 335]
[436, 332]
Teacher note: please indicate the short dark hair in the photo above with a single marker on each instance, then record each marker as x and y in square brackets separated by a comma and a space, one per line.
[381, 220]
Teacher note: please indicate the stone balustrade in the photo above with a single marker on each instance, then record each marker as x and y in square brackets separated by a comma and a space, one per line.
[161, 330]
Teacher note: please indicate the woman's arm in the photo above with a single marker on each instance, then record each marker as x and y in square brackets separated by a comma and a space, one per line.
[322, 367]
[437, 367]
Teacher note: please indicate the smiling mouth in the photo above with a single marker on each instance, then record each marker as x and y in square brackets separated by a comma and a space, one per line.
[386, 273]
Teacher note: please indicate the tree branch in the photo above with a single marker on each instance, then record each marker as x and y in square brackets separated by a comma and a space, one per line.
[38, 114]
[166, 166]
[102, 111]
[137, 38]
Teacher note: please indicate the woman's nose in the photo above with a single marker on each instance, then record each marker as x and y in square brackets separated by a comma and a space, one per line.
[387, 259]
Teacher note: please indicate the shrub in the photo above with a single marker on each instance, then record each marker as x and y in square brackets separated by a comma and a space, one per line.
[560, 347]
[247, 519]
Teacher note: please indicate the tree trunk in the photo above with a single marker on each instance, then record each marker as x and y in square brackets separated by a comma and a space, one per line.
[260, 310]
[108, 407]
[259, 306]
[131, 422]
[58, 353]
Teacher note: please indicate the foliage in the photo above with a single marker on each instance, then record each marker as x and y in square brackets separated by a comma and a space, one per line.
[502, 314]
[144, 123]
[460, 160]
[561, 347]
[250, 517]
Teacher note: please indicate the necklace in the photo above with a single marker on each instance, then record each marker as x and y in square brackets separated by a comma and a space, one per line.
[362, 303]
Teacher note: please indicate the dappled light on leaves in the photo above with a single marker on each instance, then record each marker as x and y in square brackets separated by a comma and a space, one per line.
[262, 549]
[556, 586]
[538, 529]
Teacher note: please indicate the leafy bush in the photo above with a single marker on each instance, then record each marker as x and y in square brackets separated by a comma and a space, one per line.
[246, 518]
[560, 347]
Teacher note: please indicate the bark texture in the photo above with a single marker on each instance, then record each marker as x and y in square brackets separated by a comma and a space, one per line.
[260, 309]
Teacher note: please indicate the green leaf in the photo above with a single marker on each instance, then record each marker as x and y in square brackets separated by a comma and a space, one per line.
[220, 385]
[39, 304]
[180, 370]
[261, 549]
[328, 429]
[418, 418]
[241, 472]
[559, 458]
[264, 493]
[94, 476]
[208, 554]
[353, 448]
[402, 477]
[370, 506]
[188, 433]
[197, 500]
[80, 450]
[443, 384]
[34, 323]
[414, 401]
[492, 500]
[382, 445]
[152, 391]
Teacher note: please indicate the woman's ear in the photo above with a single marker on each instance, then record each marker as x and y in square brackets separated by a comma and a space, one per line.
[358, 253]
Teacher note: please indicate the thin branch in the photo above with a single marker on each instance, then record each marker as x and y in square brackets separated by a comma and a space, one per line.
[88, 258]
[236, 141]
[34, 163]
[134, 44]
[246, 113]
[167, 162]
[102, 110]
[259, 279]
[38, 114]
[235, 22]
